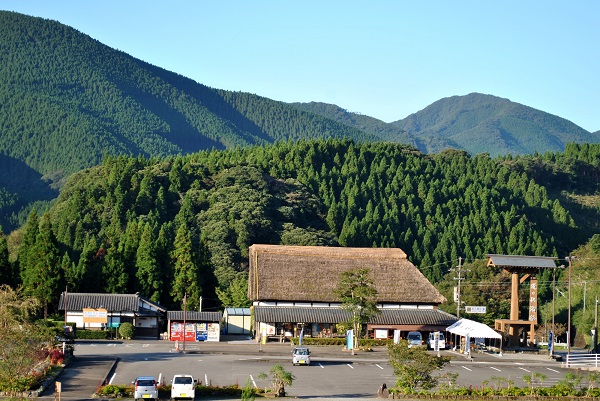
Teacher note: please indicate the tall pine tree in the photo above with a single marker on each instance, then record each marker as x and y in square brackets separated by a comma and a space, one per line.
[43, 277]
[186, 278]
[148, 269]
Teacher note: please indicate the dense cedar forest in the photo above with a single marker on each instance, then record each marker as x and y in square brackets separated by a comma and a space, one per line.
[167, 226]
[119, 176]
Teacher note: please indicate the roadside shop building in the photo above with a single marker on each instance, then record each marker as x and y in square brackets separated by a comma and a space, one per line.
[293, 289]
[95, 311]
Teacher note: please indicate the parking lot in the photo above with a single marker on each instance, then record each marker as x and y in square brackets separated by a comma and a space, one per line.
[333, 372]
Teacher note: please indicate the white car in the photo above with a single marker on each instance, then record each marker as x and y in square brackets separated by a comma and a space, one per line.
[145, 387]
[301, 356]
[183, 386]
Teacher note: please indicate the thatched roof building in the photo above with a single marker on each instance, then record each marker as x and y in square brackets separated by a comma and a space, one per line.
[311, 274]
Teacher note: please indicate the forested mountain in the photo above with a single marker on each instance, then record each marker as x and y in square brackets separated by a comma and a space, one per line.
[168, 225]
[378, 128]
[67, 100]
[481, 123]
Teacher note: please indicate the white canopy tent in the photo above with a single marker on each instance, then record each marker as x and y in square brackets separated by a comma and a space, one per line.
[471, 329]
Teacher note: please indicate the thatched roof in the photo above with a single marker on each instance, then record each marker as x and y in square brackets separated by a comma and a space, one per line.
[312, 273]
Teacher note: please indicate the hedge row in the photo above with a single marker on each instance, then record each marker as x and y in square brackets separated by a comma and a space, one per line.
[92, 334]
[341, 341]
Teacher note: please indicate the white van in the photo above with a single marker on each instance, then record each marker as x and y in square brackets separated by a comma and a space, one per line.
[441, 340]
[183, 386]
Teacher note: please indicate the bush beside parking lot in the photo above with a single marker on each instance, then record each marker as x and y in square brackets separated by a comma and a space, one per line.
[164, 391]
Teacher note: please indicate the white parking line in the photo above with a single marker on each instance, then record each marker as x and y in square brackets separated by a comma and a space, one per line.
[322, 367]
[525, 370]
[253, 382]
[495, 369]
[378, 366]
[350, 366]
[205, 379]
[555, 371]
[145, 345]
[464, 367]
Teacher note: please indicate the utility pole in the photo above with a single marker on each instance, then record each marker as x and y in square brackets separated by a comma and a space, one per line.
[570, 260]
[595, 351]
[459, 279]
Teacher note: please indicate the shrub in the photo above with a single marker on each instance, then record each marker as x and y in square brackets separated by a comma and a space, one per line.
[126, 330]
[112, 389]
[92, 334]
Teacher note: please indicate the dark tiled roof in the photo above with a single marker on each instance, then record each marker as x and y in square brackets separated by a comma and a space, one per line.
[539, 262]
[429, 317]
[111, 302]
[275, 314]
[312, 273]
[194, 316]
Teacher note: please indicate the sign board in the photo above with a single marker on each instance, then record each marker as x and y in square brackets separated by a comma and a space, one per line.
[91, 315]
[533, 300]
[381, 334]
[475, 309]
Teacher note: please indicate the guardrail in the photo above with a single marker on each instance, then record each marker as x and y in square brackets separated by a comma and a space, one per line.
[583, 360]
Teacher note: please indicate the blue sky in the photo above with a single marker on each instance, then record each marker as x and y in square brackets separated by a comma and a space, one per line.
[385, 59]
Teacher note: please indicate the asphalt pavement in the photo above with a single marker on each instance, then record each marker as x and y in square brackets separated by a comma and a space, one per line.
[81, 378]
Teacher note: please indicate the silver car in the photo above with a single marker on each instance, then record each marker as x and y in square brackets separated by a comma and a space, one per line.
[301, 356]
[145, 387]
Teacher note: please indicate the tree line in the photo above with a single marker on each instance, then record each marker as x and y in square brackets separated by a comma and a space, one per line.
[167, 226]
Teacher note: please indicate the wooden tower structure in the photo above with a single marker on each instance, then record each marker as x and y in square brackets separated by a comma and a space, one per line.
[521, 268]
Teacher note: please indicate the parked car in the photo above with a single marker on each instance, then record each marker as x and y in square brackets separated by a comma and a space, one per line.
[183, 386]
[145, 387]
[441, 341]
[301, 356]
[415, 339]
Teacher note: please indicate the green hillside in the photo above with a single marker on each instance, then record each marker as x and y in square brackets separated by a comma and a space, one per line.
[135, 224]
[68, 100]
[481, 123]
[378, 128]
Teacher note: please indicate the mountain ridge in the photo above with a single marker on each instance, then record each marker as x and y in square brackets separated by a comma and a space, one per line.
[68, 101]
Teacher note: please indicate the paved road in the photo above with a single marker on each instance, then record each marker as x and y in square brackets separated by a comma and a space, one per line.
[94, 361]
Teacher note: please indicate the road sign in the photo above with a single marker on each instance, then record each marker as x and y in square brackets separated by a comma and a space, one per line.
[475, 309]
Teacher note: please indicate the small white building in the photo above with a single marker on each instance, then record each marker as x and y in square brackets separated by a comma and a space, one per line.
[97, 311]
[237, 321]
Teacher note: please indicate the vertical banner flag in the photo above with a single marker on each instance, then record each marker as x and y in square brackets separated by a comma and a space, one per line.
[301, 335]
[350, 339]
[550, 342]
[468, 345]
[396, 336]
